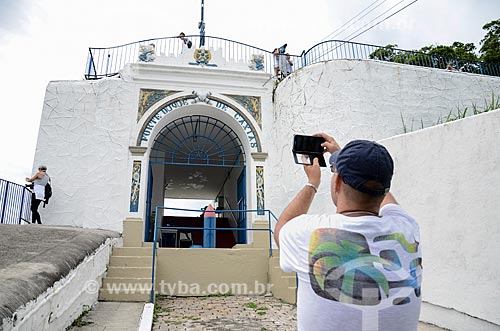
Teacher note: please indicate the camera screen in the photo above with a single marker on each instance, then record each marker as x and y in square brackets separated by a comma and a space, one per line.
[308, 144]
[303, 159]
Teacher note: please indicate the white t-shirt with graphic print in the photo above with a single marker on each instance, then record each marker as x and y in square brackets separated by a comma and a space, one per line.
[355, 273]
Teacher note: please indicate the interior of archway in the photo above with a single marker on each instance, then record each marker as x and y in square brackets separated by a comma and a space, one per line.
[196, 159]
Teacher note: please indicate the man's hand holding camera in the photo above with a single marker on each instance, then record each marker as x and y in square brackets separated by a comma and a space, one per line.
[330, 145]
[313, 172]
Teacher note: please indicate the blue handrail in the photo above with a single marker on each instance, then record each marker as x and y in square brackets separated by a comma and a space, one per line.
[106, 62]
[15, 203]
[157, 228]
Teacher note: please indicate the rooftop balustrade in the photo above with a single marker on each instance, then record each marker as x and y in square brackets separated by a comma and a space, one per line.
[107, 62]
[15, 203]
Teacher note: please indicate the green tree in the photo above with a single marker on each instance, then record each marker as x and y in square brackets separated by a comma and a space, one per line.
[456, 50]
[490, 49]
[429, 56]
[385, 54]
[458, 54]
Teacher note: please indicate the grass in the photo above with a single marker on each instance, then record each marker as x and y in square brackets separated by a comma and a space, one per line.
[80, 321]
[159, 310]
[259, 310]
[492, 104]
[459, 113]
[405, 128]
[251, 305]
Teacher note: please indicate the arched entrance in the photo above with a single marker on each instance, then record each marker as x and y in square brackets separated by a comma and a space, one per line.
[199, 157]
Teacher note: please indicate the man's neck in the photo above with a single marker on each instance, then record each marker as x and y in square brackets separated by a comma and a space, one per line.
[355, 210]
[358, 213]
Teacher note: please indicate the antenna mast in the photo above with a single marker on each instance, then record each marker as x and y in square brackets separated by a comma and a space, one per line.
[201, 25]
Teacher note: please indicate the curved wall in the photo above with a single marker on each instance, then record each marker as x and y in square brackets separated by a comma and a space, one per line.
[359, 99]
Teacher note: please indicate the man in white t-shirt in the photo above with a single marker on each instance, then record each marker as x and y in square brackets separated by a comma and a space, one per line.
[361, 268]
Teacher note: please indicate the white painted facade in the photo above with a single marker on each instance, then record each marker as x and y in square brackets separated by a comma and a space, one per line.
[89, 133]
[89, 129]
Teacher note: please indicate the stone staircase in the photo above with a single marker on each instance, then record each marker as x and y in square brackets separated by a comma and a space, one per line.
[129, 272]
[128, 277]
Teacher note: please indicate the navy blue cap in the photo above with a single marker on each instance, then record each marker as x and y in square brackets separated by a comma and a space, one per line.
[361, 161]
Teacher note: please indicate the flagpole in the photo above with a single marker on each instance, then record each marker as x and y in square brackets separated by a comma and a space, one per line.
[201, 25]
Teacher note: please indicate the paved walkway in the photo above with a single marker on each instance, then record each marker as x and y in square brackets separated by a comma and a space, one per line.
[222, 313]
[111, 316]
[230, 313]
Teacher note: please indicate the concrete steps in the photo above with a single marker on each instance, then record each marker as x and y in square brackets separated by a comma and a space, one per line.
[123, 272]
[129, 272]
[133, 251]
[120, 296]
[125, 289]
[129, 275]
[284, 283]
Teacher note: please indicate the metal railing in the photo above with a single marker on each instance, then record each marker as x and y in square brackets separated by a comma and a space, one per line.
[15, 203]
[157, 229]
[107, 62]
[338, 49]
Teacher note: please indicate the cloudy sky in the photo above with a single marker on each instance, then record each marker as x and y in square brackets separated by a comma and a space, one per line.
[47, 40]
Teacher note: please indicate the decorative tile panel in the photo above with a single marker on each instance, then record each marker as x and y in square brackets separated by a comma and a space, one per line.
[135, 186]
[257, 62]
[259, 186]
[148, 97]
[251, 104]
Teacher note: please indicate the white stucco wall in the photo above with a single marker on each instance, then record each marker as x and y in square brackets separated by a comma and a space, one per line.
[87, 128]
[448, 177]
[359, 99]
[83, 139]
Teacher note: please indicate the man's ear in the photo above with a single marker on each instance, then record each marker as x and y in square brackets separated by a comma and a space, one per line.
[337, 183]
